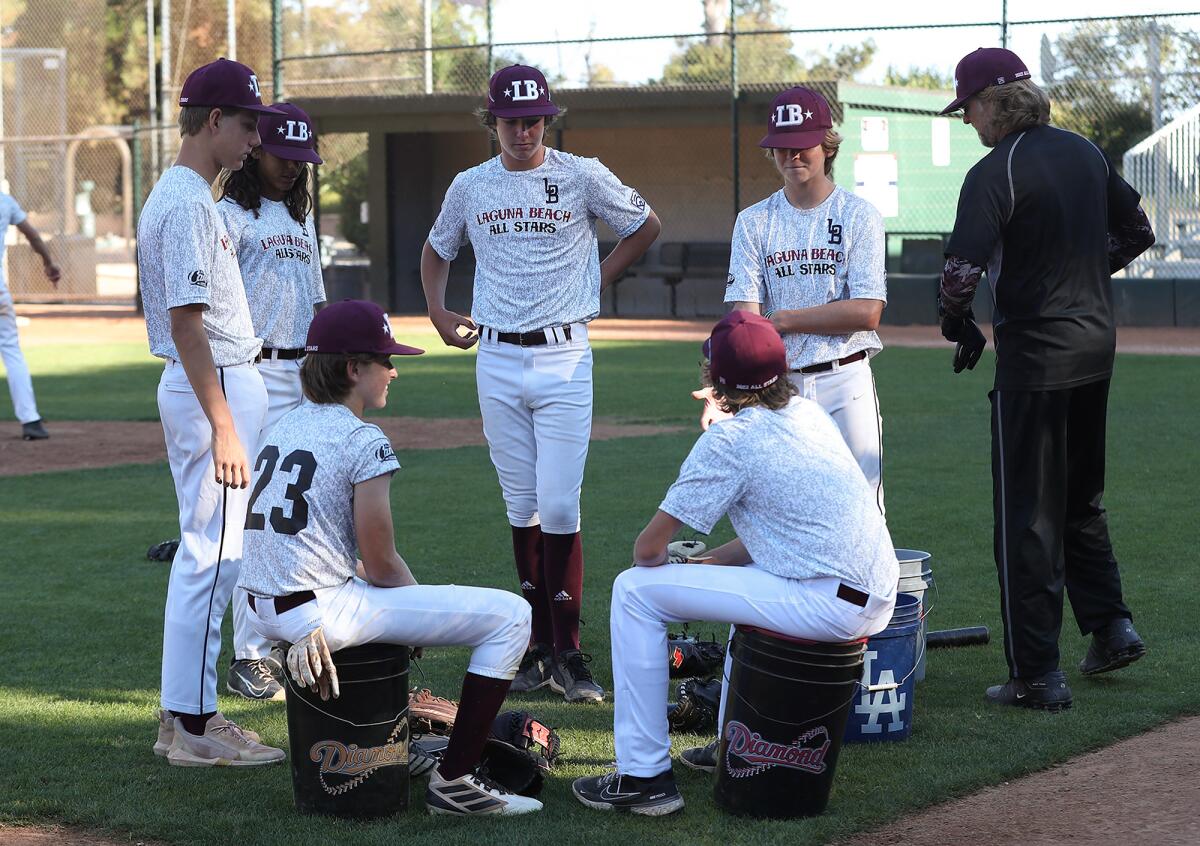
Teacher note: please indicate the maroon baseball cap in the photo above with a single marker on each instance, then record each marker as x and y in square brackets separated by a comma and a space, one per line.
[799, 119]
[519, 91]
[289, 134]
[985, 67]
[745, 352]
[354, 326]
[223, 83]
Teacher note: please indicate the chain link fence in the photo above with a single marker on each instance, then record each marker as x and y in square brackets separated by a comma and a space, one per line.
[89, 92]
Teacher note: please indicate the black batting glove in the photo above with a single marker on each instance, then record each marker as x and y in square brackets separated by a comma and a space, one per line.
[970, 345]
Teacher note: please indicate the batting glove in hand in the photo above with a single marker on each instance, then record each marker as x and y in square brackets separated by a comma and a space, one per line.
[969, 339]
[680, 552]
[309, 663]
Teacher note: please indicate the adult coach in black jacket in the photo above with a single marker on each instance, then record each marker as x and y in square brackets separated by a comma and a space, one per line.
[1049, 220]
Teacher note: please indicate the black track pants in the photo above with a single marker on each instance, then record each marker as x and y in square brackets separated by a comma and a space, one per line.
[1051, 530]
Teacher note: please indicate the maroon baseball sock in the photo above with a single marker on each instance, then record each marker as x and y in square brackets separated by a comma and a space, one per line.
[564, 585]
[480, 702]
[527, 550]
[194, 723]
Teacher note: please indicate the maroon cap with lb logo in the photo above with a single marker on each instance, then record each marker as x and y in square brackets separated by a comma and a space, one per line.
[223, 83]
[354, 326]
[799, 119]
[745, 352]
[519, 91]
[985, 67]
[289, 134]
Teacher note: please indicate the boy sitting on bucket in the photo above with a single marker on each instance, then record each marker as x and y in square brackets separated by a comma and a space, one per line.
[813, 558]
[322, 493]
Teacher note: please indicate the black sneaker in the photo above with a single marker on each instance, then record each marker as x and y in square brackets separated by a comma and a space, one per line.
[572, 678]
[534, 672]
[34, 431]
[425, 752]
[1045, 693]
[1114, 646]
[655, 796]
[254, 679]
[703, 758]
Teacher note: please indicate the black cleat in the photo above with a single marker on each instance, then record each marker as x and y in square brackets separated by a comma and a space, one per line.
[34, 431]
[572, 678]
[1044, 693]
[655, 796]
[254, 679]
[1114, 646]
[703, 758]
[534, 672]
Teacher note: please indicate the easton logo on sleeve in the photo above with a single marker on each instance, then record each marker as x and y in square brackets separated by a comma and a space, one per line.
[385, 453]
[198, 278]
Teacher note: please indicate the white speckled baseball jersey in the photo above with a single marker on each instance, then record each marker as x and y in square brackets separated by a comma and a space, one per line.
[281, 269]
[300, 521]
[534, 236]
[794, 494]
[11, 214]
[789, 258]
[185, 256]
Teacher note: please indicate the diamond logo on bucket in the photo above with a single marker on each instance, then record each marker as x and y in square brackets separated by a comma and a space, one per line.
[357, 763]
[807, 752]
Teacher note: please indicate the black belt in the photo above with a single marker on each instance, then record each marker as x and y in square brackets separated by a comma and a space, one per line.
[536, 338]
[852, 595]
[285, 355]
[828, 365]
[283, 604]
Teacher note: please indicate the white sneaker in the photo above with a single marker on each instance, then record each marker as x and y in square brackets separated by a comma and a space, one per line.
[474, 794]
[223, 744]
[166, 733]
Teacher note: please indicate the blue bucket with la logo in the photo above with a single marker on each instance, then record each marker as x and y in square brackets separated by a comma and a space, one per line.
[785, 715]
[883, 708]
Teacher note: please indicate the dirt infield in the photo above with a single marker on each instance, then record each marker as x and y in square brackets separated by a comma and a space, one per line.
[91, 444]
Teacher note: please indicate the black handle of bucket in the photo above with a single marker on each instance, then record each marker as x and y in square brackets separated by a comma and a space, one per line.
[299, 691]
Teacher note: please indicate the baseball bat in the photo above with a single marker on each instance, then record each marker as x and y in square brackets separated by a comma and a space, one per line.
[970, 636]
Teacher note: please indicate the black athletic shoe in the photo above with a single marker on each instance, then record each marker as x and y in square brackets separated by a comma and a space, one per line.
[1114, 646]
[535, 669]
[253, 679]
[572, 678]
[655, 796]
[703, 758]
[34, 431]
[425, 752]
[1045, 693]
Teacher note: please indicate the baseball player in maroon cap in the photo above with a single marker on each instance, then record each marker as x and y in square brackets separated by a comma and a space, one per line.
[266, 206]
[211, 401]
[530, 214]
[812, 558]
[1049, 219]
[810, 258]
[323, 493]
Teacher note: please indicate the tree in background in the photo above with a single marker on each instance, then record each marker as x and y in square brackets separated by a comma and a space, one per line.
[768, 57]
[1100, 77]
[916, 77]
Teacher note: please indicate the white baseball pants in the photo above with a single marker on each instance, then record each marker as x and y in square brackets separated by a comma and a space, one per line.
[281, 378]
[536, 404]
[494, 623]
[211, 519]
[646, 599]
[847, 393]
[20, 386]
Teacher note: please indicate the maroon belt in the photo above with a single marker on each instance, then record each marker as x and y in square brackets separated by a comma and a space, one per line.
[284, 604]
[852, 595]
[828, 365]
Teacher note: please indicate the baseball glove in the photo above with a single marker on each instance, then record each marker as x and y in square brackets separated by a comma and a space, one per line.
[690, 656]
[678, 552]
[429, 714]
[164, 551]
[519, 752]
[696, 706]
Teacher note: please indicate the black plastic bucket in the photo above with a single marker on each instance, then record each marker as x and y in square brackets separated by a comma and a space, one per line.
[785, 716]
[350, 755]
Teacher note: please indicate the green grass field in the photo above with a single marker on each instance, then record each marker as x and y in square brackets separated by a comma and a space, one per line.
[81, 609]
